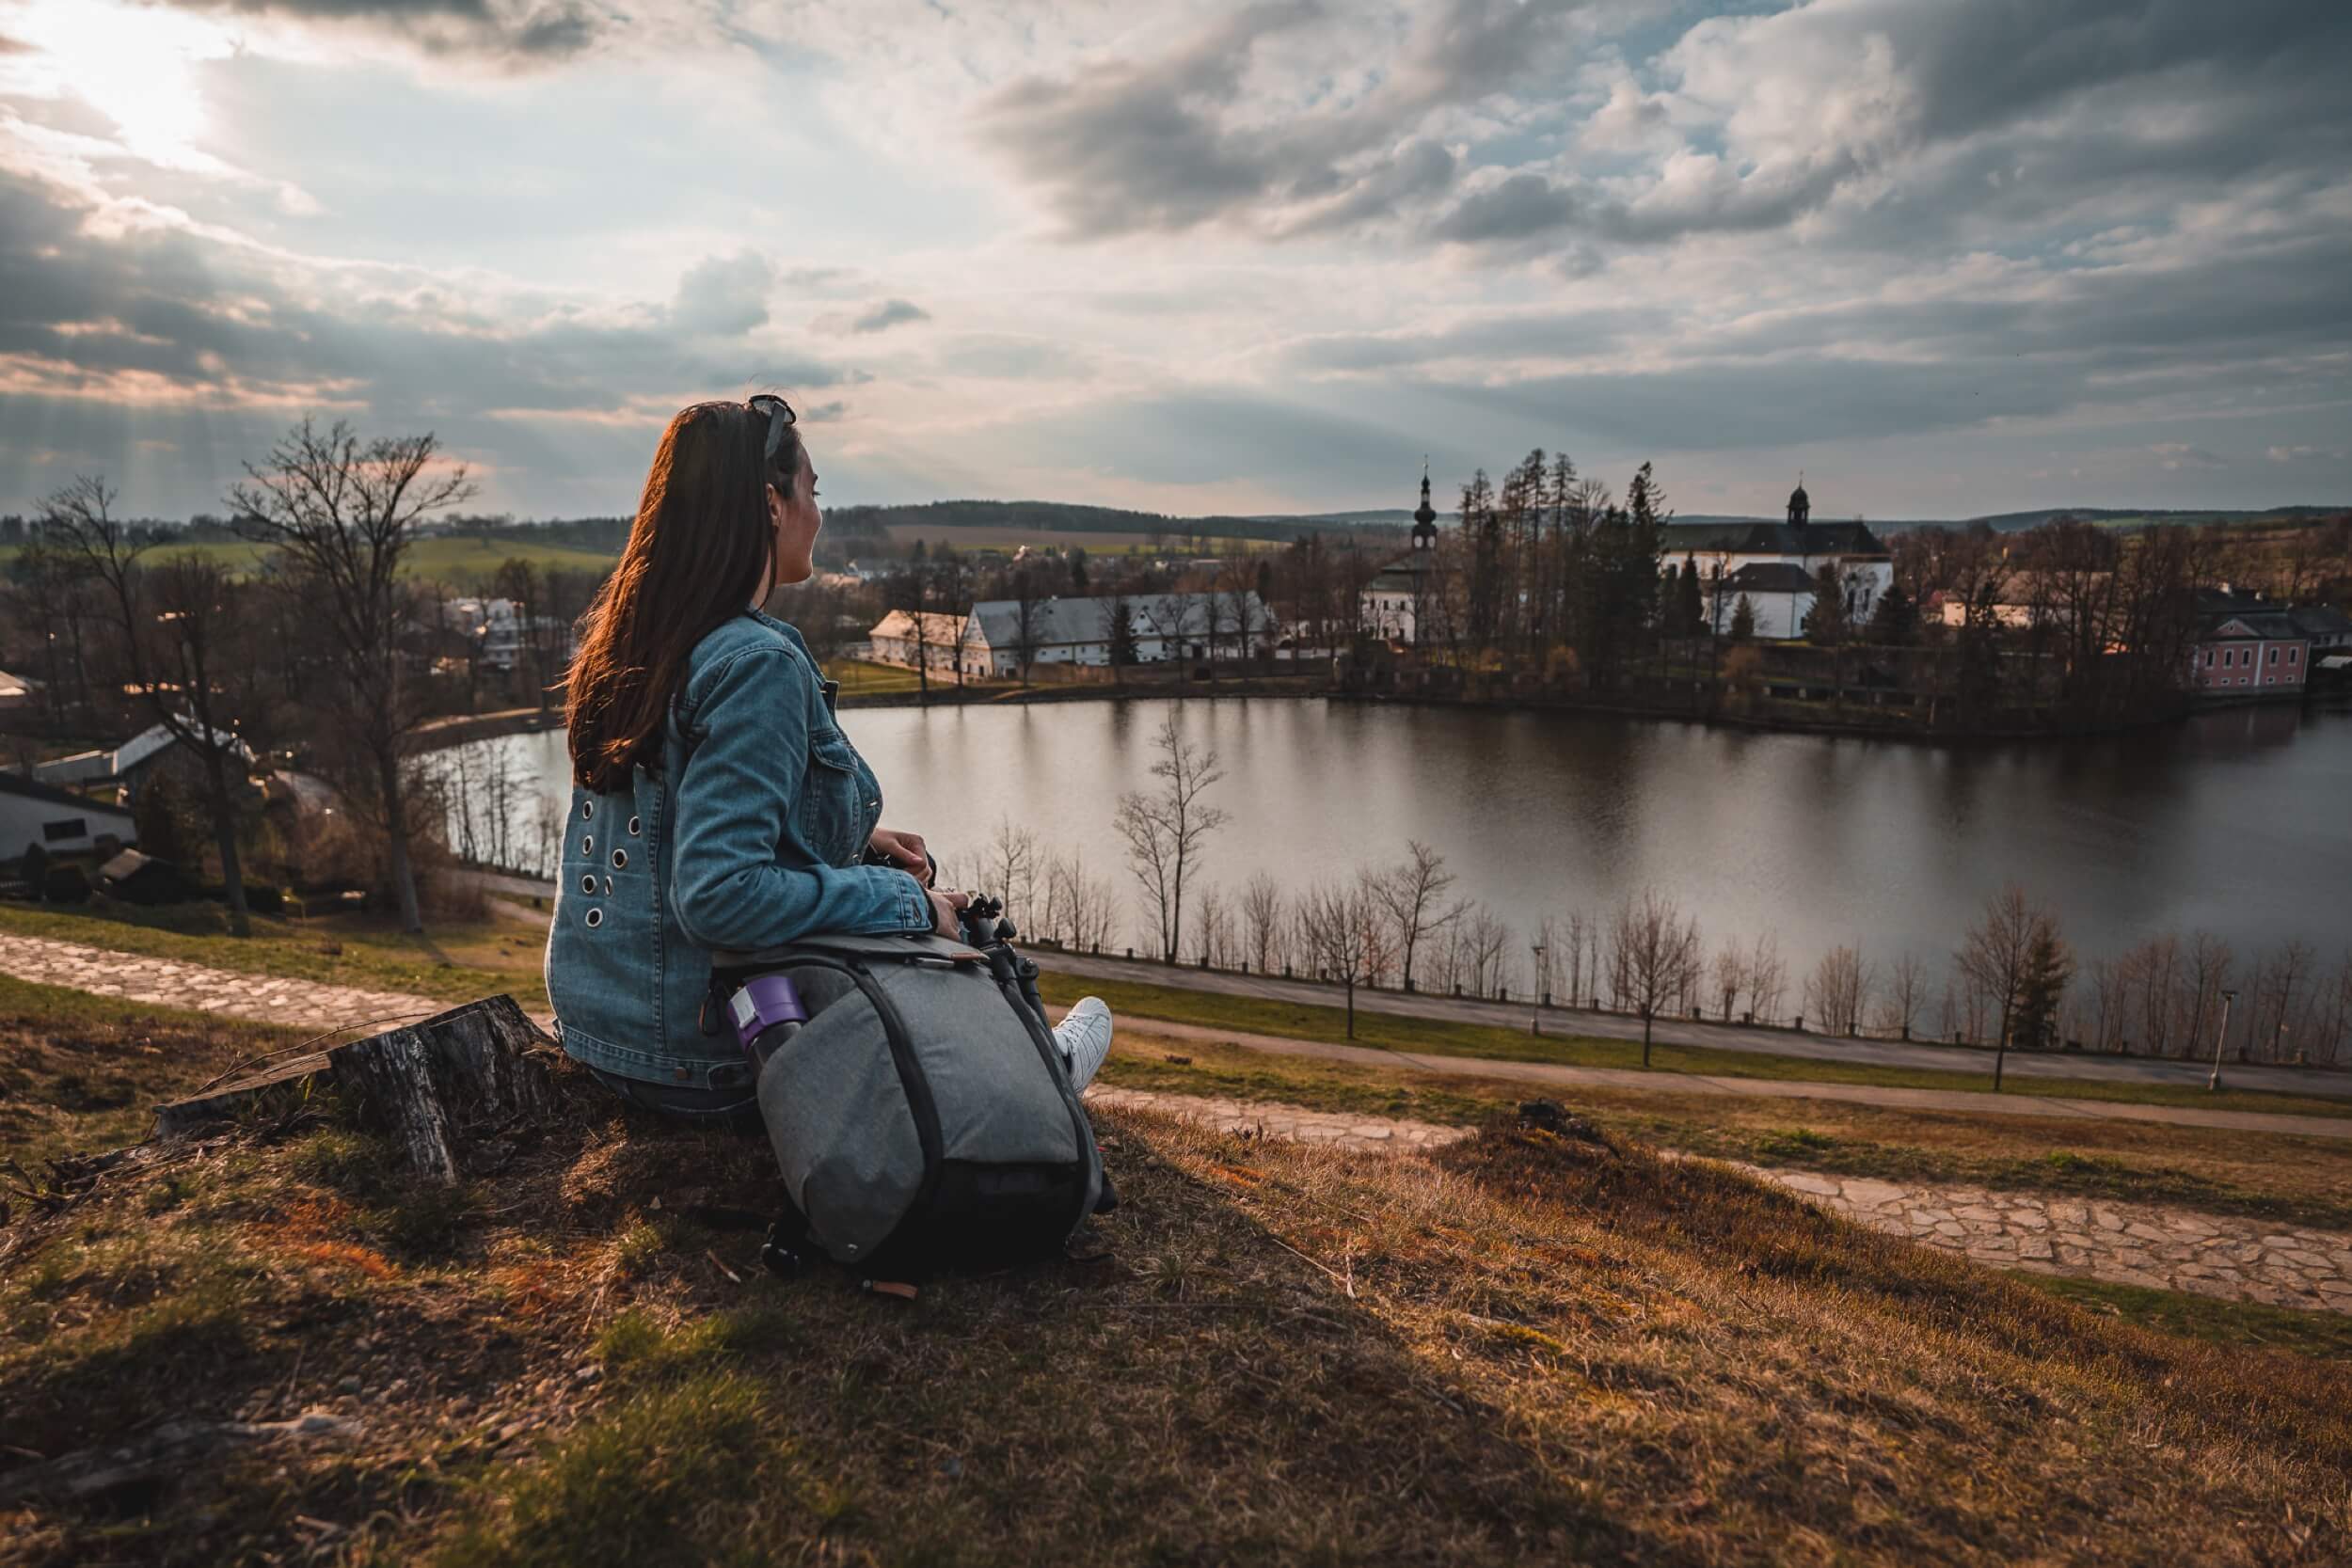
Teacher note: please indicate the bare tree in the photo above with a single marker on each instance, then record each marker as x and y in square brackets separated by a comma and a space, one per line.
[2210, 962]
[2288, 971]
[1996, 955]
[1262, 917]
[1013, 869]
[1216, 924]
[1346, 938]
[181, 627]
[341, 516]
[1731, 971]
[1583, 941]
[1413, 894]
[1167, 830]
[1767, 978]
[1486, 947]
[1654, 949]
[1081, 907]
[1838, 992]
[1545, 981]
[1905, 997]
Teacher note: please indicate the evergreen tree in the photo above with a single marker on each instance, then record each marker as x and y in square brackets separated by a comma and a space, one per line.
[1670, 600]
[1743, 621]
[1826, 623]
[1123, 637]
[1077, 569]
[1689, 611]
[1895, 622]
[2040, 986]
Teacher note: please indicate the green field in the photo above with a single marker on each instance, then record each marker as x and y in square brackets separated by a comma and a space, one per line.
[1433, 1038]
[461, 560]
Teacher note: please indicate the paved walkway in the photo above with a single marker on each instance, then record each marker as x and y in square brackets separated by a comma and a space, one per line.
[2137, 1245]
[164, 982]
[2133, 1244]
[2130, 1244]
[1719, 1037]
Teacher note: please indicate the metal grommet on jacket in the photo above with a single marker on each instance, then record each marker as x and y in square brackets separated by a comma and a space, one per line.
[595, 918]
[620, 859]
[588, 883]
[587, 810]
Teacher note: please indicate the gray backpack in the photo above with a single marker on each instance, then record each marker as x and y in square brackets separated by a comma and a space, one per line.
[917, 1104]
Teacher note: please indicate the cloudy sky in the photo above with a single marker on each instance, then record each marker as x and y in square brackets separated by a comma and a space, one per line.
[1950, 256]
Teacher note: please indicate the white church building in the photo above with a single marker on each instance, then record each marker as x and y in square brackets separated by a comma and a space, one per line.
[1776, 567]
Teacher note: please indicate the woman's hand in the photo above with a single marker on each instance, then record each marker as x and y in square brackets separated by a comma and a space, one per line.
[944, 908]
[906, 851]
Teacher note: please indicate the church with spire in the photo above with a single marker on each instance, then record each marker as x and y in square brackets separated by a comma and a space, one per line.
[1393, 601]
[1776, 566]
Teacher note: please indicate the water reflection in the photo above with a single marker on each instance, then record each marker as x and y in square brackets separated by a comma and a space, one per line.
[2240, 822]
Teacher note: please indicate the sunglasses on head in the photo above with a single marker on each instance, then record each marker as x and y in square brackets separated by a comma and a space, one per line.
[779, 413]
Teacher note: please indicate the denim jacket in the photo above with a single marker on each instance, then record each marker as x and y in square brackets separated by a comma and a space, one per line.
[749, 836]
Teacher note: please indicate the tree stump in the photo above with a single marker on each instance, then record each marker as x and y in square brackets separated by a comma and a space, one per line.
[430, 1085]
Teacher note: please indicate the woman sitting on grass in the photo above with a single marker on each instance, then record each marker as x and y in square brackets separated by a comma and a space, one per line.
[716, 805]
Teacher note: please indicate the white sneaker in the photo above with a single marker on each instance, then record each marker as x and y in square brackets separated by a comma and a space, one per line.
[1084, 1035]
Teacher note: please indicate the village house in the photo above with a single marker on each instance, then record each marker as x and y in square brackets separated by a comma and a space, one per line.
[136, 760]
[989, 642]
[57, 820]
[2250, 647]
[937, 640]
[1776, 567]
[1164, 626]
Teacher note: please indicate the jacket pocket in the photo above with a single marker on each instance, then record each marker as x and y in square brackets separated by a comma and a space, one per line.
[833, 804]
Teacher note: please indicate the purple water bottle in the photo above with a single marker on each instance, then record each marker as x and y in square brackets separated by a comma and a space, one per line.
[767, 1012]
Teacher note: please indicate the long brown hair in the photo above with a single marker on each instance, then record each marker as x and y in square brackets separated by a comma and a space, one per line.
[697, 555]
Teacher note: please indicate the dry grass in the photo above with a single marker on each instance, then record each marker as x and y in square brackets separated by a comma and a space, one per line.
[1538, 1346]
[2300, 1180]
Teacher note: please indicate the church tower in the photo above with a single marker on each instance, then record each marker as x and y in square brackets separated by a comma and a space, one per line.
[1424, 516]
[1800, 504]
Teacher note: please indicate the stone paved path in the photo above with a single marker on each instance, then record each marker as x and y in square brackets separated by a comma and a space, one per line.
[164, 982]
[2131, 1243]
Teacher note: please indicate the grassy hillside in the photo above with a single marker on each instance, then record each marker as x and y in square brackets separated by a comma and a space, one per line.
[1540, 1346]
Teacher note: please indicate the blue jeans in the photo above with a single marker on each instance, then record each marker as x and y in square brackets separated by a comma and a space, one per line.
[736, 1109]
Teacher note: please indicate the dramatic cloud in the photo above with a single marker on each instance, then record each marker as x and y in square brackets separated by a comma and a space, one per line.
[1206, 132]
[889, 313]
[519, 30]
[724, 294]
[1953, 256]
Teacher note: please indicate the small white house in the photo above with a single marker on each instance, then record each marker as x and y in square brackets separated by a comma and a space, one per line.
[59, 822]
[129, 763]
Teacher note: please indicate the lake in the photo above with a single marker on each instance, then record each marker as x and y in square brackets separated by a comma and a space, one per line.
[2236, 822]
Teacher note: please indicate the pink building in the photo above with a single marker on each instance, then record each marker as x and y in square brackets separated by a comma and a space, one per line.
[2249, 649]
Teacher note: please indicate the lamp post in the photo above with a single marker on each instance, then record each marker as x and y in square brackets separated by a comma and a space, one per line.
[2215, 1081]
[1535, 1006]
